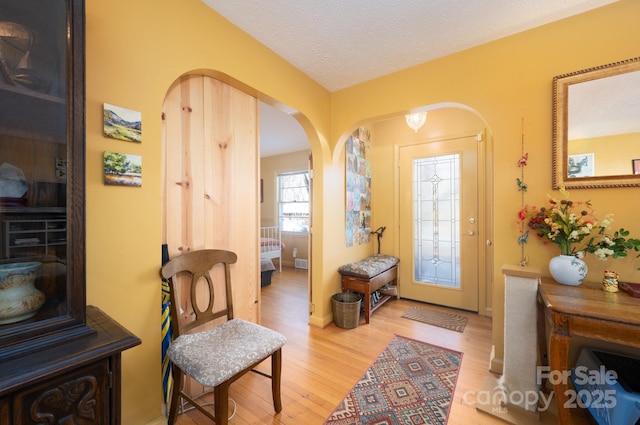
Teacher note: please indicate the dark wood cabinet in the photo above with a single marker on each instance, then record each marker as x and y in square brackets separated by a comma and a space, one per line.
[77, 382]
[59, 359]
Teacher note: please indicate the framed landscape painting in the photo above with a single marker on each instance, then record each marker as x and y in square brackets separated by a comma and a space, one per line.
[121, 169]
[122, 124]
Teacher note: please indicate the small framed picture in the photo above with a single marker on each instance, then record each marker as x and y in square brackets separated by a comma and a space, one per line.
[581, 165]
[121, 169]
[122, 123]
[635, 166]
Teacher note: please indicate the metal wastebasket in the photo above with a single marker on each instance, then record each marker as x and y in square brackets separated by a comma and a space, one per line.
[346, 309]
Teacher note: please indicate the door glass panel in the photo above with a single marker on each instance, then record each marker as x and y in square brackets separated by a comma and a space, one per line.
[436, 194]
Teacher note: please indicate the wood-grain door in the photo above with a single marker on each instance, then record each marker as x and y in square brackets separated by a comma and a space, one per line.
[211, 169]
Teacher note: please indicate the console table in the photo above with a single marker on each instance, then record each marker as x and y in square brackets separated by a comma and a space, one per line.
[587, 311]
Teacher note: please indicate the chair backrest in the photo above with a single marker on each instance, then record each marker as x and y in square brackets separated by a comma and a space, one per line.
[198, 265]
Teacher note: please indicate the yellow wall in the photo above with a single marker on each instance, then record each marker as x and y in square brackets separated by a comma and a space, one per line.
[136, 50]
[507, 81]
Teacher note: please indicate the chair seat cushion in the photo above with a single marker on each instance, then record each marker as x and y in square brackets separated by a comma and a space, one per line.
[215, 355]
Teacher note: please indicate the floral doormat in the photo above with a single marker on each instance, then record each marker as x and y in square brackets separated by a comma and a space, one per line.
[441, 319]
[411, 382]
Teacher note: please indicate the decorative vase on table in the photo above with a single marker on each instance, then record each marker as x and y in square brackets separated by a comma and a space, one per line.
[568, 270]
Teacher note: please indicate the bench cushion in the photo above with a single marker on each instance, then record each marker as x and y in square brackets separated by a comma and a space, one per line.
[369, 267]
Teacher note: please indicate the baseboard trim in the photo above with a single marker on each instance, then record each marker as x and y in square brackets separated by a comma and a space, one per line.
[319, 322]
[495, 364]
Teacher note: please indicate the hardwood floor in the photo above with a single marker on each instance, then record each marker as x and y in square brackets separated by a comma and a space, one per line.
[321, 365]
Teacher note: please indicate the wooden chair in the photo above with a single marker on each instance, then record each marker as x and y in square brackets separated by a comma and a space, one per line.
[218, 356]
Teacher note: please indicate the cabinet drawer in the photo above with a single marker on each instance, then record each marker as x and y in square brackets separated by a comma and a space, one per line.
[78, 397]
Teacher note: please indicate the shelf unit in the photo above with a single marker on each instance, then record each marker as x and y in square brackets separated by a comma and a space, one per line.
[36, 236]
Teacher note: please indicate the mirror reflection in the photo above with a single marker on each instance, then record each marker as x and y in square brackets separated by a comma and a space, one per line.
[596, 126]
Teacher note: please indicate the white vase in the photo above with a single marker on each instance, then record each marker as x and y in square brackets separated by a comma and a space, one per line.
[19, 298]
[568, 270]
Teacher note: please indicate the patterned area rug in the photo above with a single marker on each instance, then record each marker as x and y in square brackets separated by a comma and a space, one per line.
[411, 382]
[441, 319]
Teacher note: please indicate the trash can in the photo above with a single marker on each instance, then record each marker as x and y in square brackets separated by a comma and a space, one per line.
[346, 309]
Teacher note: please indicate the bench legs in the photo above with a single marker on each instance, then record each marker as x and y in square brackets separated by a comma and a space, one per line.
[367, 307]
[368, 310]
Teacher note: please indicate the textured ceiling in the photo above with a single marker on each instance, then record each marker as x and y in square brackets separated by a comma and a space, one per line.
[339, 43]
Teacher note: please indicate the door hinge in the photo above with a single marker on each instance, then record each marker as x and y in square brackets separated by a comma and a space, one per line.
[110, 378]
[479, 137]
[312, 308]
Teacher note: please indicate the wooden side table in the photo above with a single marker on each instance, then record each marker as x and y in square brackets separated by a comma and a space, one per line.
[366, 287]
[586, 311]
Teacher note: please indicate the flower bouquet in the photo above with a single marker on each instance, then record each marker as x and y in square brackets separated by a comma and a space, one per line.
[572, 226]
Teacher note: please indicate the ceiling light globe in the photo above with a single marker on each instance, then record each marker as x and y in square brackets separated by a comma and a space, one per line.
[416, 121]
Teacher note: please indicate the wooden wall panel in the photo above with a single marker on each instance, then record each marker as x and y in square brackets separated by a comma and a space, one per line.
[246, 220]
[210, 179]
[232, 191]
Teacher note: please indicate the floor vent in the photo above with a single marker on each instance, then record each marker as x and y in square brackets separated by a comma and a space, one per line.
[300, 263]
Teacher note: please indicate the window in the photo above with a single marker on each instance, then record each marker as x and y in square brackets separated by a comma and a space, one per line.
[293, 201]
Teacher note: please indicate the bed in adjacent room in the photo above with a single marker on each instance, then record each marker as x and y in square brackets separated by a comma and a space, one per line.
[271, 245]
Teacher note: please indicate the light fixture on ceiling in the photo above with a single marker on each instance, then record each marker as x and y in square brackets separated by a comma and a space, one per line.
[417, 120]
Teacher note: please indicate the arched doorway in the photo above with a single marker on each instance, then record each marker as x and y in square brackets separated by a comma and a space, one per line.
[445, 122]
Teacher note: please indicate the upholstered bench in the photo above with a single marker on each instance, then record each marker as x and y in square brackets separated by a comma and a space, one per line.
[369, 276]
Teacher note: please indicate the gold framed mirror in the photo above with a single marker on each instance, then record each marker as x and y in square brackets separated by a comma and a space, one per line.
[596, 126]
